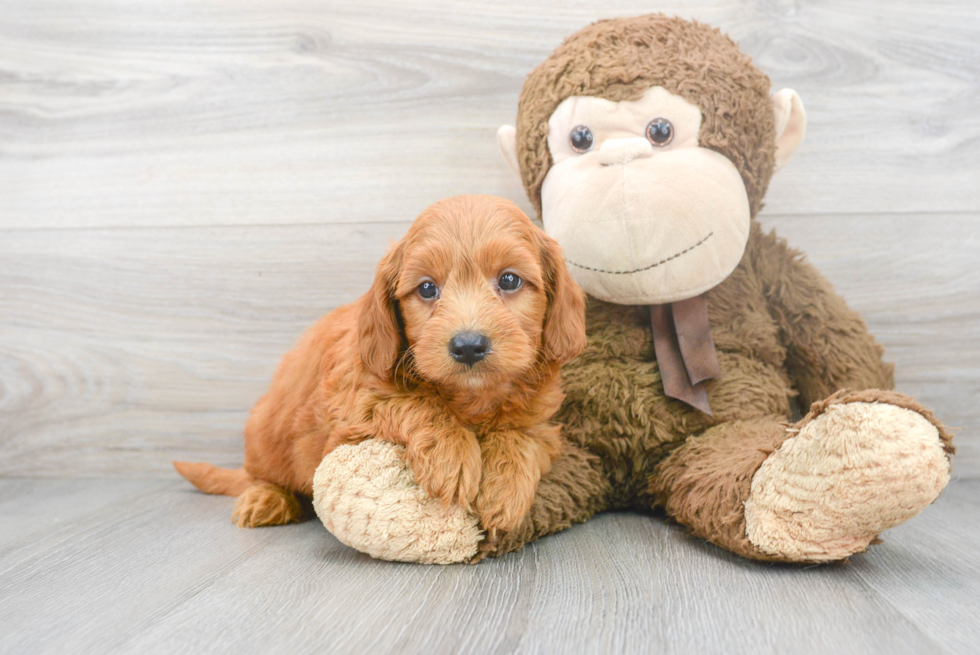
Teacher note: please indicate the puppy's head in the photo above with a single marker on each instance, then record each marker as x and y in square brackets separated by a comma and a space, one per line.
[474, 294]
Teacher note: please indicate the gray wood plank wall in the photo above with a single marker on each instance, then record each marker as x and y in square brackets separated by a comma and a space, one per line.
[186, 185]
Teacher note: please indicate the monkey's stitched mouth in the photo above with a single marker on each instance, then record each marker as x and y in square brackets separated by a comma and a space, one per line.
[645, 268]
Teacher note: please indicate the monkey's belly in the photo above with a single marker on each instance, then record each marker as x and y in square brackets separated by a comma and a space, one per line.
[616, 408]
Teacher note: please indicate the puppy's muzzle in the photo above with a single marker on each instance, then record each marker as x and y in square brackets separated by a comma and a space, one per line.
[469, 347]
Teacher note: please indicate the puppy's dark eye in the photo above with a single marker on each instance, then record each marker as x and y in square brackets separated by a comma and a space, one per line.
[428, 290]
[509, 282]
[581, 138]
[660, 131]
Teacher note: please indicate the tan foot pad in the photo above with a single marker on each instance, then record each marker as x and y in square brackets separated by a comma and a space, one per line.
[367, 497]
[856, 469]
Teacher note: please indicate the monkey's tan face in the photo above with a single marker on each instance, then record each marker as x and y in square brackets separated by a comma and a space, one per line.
[645, 215]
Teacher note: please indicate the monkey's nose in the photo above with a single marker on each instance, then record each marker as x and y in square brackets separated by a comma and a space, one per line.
[469, 347]
[623, 151]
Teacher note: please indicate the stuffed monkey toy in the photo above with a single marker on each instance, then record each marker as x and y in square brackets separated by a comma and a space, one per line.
[646, 146]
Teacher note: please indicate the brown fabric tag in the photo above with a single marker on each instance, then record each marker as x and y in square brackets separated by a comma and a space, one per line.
[685, 350]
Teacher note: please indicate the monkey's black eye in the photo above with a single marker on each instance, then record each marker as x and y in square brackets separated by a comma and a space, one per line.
[509, 282]
[660, 131]
[581, 138]
[428, 290]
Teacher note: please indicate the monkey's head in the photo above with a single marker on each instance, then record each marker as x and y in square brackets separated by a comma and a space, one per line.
[646, 145]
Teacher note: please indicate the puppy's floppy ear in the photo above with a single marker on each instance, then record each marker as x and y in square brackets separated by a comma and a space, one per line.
[564, 325]
[379, 329]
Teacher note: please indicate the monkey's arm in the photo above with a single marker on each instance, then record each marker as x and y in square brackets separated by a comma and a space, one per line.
[828, 344]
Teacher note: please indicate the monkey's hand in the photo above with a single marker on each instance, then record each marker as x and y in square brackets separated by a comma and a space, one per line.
[366, 495]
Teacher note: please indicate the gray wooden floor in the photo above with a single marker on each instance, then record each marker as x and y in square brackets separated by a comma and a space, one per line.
[96, 566]
[185, 185]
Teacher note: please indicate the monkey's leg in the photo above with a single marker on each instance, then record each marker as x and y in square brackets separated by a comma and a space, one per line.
[573, 490]
[857, 464]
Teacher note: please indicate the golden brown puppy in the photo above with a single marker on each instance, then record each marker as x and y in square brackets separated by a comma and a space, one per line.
[454, 353]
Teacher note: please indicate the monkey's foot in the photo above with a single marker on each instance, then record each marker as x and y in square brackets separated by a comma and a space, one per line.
[859, 463]
[367, 497]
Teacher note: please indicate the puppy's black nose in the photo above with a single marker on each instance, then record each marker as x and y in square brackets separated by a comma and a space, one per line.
[469, 347]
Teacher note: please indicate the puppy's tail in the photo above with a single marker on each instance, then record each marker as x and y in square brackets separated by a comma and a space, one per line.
[213, 480]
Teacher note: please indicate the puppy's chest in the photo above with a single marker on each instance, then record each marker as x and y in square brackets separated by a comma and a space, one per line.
[508, 407]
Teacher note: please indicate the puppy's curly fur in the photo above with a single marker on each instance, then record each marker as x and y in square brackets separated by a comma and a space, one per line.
[381, 367]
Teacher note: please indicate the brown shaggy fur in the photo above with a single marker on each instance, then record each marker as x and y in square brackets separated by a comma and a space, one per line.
[780, 331]
[779, 328]
[381, 367]
[704, 483]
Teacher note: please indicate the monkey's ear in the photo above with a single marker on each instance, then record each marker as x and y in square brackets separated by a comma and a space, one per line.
[379, 334]
[790, 117]
[507, 139]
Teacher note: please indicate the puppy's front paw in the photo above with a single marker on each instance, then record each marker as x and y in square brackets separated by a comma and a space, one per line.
[513, 463]
[448, 468]
[504, 501]
[499, 542]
